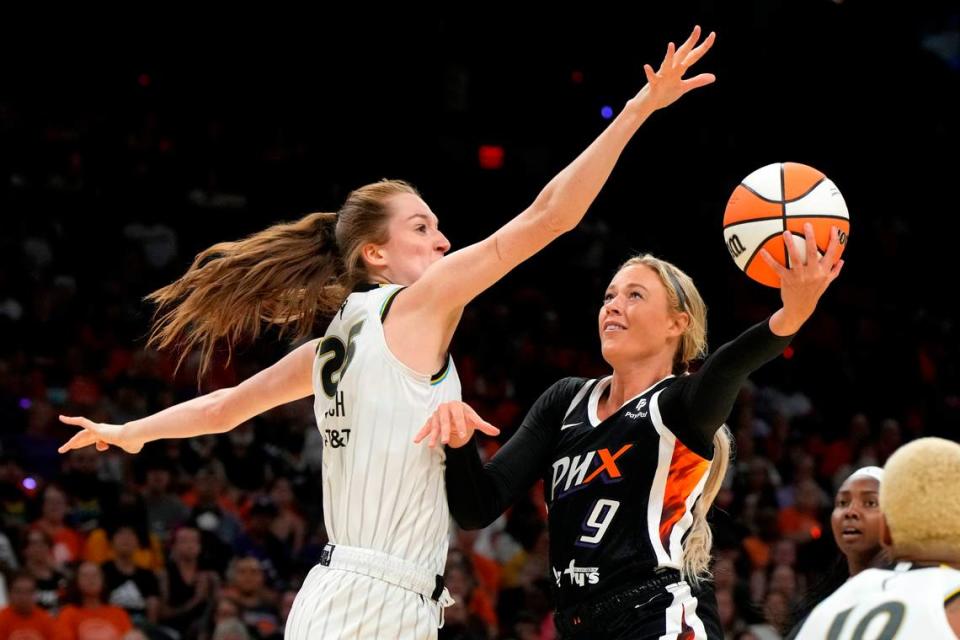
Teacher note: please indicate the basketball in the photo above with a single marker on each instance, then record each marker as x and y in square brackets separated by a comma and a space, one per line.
[779, 197]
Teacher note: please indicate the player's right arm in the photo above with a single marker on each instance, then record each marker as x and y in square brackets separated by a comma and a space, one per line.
[425, 308]
[217, 412]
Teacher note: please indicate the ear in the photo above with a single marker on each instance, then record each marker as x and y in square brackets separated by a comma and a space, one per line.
[885, 538]
[374, 255]
[679, 322]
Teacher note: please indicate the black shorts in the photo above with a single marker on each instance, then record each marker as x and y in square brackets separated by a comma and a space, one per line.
[646, 611]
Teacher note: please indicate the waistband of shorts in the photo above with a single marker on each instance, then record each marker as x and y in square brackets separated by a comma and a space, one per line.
[591, 614]
[383, 566]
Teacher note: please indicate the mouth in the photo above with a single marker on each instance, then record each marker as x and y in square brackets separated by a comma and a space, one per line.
[611, 326]
[851, 534]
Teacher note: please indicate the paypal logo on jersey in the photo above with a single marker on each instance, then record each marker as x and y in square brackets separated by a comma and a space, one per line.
[577, 472]
[639, 413]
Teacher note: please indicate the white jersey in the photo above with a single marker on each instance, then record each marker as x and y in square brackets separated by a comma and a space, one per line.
[905, 603]
[380, 490]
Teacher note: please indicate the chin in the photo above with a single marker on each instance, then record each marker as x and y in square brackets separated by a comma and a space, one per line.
[611, 355]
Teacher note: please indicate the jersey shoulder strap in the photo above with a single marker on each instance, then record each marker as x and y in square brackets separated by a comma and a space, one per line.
[580, 395]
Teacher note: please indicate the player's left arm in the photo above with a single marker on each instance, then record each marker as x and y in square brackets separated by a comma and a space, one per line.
[695, 406]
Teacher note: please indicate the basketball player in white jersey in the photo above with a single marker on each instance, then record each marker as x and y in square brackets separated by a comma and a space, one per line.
[919, 598]
[380, 370]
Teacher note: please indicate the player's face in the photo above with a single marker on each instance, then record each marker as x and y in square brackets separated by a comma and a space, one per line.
[856, 517]
[635, 320]
[415, 240]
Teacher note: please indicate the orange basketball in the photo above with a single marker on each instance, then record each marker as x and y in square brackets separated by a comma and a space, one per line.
[776, 198]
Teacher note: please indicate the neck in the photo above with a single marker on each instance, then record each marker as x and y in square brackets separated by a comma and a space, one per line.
[91, 602]
[629, 381]
[856, 564]
[123, 563]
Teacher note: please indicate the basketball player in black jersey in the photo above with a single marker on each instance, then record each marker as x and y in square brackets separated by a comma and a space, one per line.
[632, 462]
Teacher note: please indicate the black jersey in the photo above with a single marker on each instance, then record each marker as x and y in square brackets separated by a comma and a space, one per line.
[620, 492]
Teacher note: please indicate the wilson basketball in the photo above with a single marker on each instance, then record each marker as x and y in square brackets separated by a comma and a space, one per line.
[781, 197]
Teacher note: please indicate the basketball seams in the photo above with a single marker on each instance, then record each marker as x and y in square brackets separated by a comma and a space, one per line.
[805, 193]
[789, 216]
[756, 251]
[772, 217]
[783, 205]
[784, 186]
[764, 198]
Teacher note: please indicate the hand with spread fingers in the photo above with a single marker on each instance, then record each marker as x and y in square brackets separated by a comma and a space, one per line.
[805, 280]
[453, 424]
[666, 85]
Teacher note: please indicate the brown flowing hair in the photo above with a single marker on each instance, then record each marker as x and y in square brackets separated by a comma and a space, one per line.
[287, 275]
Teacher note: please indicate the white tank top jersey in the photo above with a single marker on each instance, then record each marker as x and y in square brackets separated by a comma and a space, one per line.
[380, 490]
[905, 603]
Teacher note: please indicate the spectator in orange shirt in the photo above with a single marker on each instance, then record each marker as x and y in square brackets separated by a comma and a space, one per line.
[23, 619]
[88, 618]
[130, 511]
[462, 584]
[801, 522]
[67, 543]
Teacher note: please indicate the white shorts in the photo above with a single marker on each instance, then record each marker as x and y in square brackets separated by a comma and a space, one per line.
[339, 603]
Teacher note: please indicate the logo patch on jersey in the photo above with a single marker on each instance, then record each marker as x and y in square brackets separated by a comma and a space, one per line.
[338, 408]
[567, 426]
[639, 413]
[577, 473]
[579, 576]
[336, 438]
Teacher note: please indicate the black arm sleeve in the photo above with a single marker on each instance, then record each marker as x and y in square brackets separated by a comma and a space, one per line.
[695, 406]
[478, 493]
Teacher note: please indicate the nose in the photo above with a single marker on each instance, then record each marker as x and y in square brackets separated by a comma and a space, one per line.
[443, 245]
[851, 513]
[613, 305]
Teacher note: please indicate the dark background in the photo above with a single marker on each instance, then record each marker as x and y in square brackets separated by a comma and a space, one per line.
[170, 133]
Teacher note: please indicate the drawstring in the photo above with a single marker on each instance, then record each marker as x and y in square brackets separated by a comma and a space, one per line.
[445, 600]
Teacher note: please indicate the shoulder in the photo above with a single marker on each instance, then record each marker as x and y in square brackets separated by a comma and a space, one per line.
[367, 297]
[564, 391]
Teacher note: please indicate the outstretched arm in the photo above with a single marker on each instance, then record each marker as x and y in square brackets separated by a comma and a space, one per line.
[449, 284]
[222, 410]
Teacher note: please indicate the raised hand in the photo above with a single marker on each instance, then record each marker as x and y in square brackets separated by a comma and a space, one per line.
[667, 84]
[807, 278]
